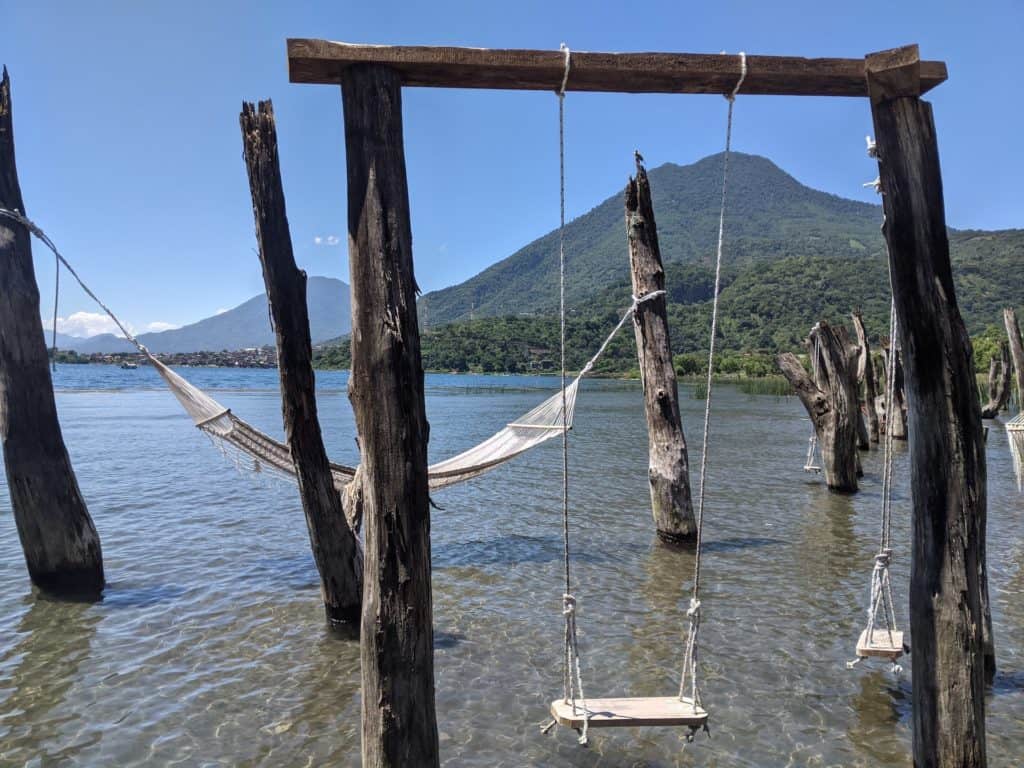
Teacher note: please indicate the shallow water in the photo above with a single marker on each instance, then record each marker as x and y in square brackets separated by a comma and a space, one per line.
[209, 647]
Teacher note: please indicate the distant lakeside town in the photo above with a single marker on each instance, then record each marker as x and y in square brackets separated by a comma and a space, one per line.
[254, 357]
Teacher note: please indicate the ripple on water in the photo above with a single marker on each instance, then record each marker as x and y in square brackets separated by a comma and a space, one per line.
[209, 646]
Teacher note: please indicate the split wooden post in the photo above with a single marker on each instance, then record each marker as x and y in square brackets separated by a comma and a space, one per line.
[866, 376]
[61, 545]
[947, 452]
[831, 402]
[1017, 350]
[668, 469]
[386, 390]
[336, 550]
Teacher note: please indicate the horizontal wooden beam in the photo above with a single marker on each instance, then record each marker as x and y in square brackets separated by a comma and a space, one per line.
[323, 61]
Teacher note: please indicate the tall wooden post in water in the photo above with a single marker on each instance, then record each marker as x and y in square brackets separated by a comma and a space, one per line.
[947, 451]
[336, 549]
[386, 390]
[61, 546]
[668, 470]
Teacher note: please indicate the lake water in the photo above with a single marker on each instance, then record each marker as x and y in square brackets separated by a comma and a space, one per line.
[209, 647]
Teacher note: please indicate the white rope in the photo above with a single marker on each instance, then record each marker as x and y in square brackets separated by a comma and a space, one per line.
[881, 598]
[690, 652]
[812, 443]
[25, 222]
[572, 678]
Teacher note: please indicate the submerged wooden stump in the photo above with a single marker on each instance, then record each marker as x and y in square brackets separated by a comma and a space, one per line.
[669, 467]
[831, 403]
[947, 453]
[61, 546]
[866, 378]
[386, 390]
[336, 550]
[1017, 350]
[998, 383]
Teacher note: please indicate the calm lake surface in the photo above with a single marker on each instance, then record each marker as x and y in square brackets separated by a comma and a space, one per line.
[209, 647]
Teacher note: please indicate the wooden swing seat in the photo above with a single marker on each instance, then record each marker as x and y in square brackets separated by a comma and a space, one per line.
[631, 712]
[883, 644]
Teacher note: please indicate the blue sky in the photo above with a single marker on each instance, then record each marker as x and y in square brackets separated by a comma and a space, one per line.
[126, 125]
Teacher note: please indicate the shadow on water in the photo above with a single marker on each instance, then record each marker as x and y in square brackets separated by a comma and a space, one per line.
[516, 549]
[1007, 682]
[121, 595]
[882, 709]
[54, 639]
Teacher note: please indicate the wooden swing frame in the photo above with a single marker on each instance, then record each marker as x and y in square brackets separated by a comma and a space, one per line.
[371, 78]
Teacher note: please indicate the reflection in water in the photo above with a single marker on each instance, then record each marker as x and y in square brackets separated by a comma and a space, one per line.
[210, 645]
[881, 712]
[37, 671]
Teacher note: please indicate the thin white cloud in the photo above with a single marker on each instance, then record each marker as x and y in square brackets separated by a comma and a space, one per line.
[85, 324]
[330, 240]
[159, 325]
[221, 311]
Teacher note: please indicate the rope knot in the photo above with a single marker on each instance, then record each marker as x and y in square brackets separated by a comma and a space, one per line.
[568, 604]
[882, 559]
[694, 609]
[872, 147]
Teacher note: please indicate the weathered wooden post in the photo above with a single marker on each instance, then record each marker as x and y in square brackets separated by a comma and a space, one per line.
[668, 470]
[336, 550]
[831, 402]
[386, 390]
[61, 546]
[998, 383]
[866, 376]
[896, 421]
[1017, 349]
[947, 453]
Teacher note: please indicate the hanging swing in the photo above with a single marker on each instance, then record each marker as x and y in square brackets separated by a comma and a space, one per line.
[573, 709]
[880, 638]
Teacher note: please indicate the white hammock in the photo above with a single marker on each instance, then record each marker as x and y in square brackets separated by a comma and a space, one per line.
[1015, 435]
[255, 451]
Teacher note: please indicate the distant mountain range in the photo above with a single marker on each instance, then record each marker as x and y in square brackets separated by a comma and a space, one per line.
[245, 326]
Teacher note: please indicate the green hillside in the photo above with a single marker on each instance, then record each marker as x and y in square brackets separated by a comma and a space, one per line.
[771, 216]
[794, 256]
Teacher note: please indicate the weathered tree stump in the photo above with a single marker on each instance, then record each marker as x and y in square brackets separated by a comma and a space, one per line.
[336, 550]
[61, 546]
[831, 402]
[669, 468]
[947, 453]
[897, 420]
[866, 377]
[1017, 350]
[386, 390]
[998, 383]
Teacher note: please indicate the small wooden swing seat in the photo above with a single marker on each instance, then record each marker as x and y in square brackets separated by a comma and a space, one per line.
[884, 644]
[631, 712]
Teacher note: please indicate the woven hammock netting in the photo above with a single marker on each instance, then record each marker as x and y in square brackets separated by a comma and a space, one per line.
[252, 450]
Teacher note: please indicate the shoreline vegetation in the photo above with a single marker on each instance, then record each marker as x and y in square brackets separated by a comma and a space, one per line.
[454, 349]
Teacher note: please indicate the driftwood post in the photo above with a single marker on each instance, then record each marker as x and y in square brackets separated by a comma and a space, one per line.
[336, 549]
[998, 383]
[386, 390]
[61, 546]
[1017, 350]
[831, 402]
[668, 470]
[947, 452]
[866, 376]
